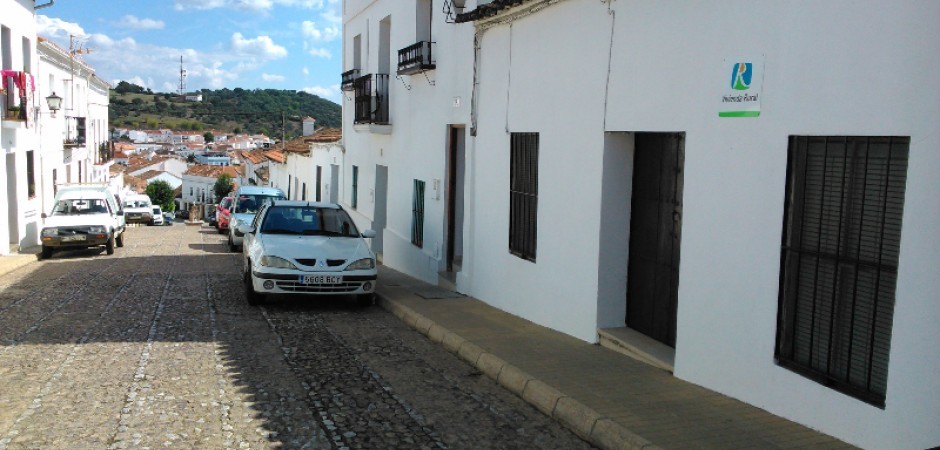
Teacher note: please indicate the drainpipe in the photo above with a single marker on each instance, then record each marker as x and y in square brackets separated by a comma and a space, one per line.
[46, 5]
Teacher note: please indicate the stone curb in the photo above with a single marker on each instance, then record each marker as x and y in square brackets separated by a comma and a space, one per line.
[572, 414]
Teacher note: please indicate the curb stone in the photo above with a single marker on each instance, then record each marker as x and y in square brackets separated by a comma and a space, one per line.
[570, 413]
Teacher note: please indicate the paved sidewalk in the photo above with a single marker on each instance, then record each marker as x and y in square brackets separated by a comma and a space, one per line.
[608, 399]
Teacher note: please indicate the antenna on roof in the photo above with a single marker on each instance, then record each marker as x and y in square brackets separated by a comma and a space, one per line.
[182, 80]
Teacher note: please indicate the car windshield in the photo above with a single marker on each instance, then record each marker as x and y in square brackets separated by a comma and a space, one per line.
[156, 210]
[248, 203]
[136, 204]
[226, 203]
[308, 220]
[80, 206]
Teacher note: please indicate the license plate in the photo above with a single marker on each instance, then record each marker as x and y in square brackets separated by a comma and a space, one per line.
[321, 279]
[73, 238]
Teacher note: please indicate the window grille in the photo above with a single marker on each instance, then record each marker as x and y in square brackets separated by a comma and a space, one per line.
[30, 174]
[523, 194]
[417, 214]
[355, 187]
[839, 260]
[319, 182]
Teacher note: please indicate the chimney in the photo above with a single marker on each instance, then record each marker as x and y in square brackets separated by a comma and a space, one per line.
[310, 124]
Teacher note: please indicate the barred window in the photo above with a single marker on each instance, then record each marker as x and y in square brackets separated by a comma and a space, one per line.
[417, 214]
[354, 201]
[523, 194]
[839, 260]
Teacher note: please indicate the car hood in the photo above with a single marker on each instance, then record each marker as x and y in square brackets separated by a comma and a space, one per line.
[79, 220]
[244, 217]
[319, 247]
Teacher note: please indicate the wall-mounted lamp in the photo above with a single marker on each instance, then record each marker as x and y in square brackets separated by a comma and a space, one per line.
[54, 102]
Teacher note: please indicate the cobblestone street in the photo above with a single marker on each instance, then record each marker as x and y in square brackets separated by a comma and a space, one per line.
[155, 347]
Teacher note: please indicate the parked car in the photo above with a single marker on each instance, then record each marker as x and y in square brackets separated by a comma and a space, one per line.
[168, 218]
[246, 201]
[83, 216]
[157, 216]
[297, 247]
[223, 214]
[138, 209]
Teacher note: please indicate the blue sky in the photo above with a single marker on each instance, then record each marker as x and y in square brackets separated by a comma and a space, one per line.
[277, 44]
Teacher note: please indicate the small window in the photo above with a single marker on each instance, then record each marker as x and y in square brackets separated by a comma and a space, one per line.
[523, 194]
[839, 260]
[417, 214]
[354, 201]
[319, 182]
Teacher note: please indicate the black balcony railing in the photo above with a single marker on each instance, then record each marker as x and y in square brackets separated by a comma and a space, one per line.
[371, 100]
[415, 58]
[75, 132]
[349, 79]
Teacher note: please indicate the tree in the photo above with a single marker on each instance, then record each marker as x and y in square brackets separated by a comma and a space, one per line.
[209, 136]
[223, 185]
[161, 193]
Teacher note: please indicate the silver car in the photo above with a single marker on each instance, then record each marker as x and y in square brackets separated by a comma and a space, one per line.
[308, 248]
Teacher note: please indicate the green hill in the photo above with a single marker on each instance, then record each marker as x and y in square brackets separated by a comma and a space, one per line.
[230, 110]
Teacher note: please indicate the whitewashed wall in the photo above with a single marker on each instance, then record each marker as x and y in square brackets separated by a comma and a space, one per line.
[835, 68]
[414, 146]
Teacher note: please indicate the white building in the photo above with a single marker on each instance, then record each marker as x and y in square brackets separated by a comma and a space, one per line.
[712, 179]
[74, 139]
[21, 204]
[406, 139]
[199, 182]
[311, 167]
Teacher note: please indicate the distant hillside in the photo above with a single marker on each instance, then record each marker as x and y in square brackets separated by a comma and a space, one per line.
[229, 110]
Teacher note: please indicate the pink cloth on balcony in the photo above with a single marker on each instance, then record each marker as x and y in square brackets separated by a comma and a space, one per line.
[22, 80]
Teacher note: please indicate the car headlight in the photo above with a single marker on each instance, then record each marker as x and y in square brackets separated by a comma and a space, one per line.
[362, 264]
[274, 261]
[47, 232]
[97, 229]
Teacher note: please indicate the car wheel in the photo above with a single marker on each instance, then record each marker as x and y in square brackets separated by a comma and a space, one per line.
[365, 300]
[110, 245]
[253, 298]
[120, 240]
[221, 230]
[46, 252]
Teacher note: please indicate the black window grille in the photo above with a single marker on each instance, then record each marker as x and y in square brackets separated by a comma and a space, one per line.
[839, 260]
[523, 194]
[417, 214]
[30, 174]
[354, 201]
[303, 191]
[319, 182]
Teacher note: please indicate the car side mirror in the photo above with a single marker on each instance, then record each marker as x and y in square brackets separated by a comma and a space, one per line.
[43, 215]
[245, 228]
[368, 234]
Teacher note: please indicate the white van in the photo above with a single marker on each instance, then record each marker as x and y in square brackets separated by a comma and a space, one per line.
[138, 209]
[83, 216]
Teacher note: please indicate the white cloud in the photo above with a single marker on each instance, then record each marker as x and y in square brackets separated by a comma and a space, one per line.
[329, 92]
[305, 71]
[273, 78]
[310, 30]
[321, 52]
[57, 28]
[261, 46]
[130, 21]
[250, 5]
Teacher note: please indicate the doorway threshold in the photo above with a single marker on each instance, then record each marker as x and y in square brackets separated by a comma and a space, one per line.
[638, 346]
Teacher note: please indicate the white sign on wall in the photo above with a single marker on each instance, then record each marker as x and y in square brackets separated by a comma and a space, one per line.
[741, 94]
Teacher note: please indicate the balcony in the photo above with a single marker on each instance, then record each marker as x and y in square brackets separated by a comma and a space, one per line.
[415, 58]
[371, 99]
[75, 132]
[349, 79]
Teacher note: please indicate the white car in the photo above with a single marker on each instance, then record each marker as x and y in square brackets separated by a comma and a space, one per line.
[157, 215]
[295, 247]
[82, 216]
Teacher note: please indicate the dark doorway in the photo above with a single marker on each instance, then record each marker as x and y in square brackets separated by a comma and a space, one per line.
[455, 198]
[655, 230]
[381, 208]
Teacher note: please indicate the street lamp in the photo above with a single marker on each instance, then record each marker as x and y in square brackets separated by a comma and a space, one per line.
[54, 102]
